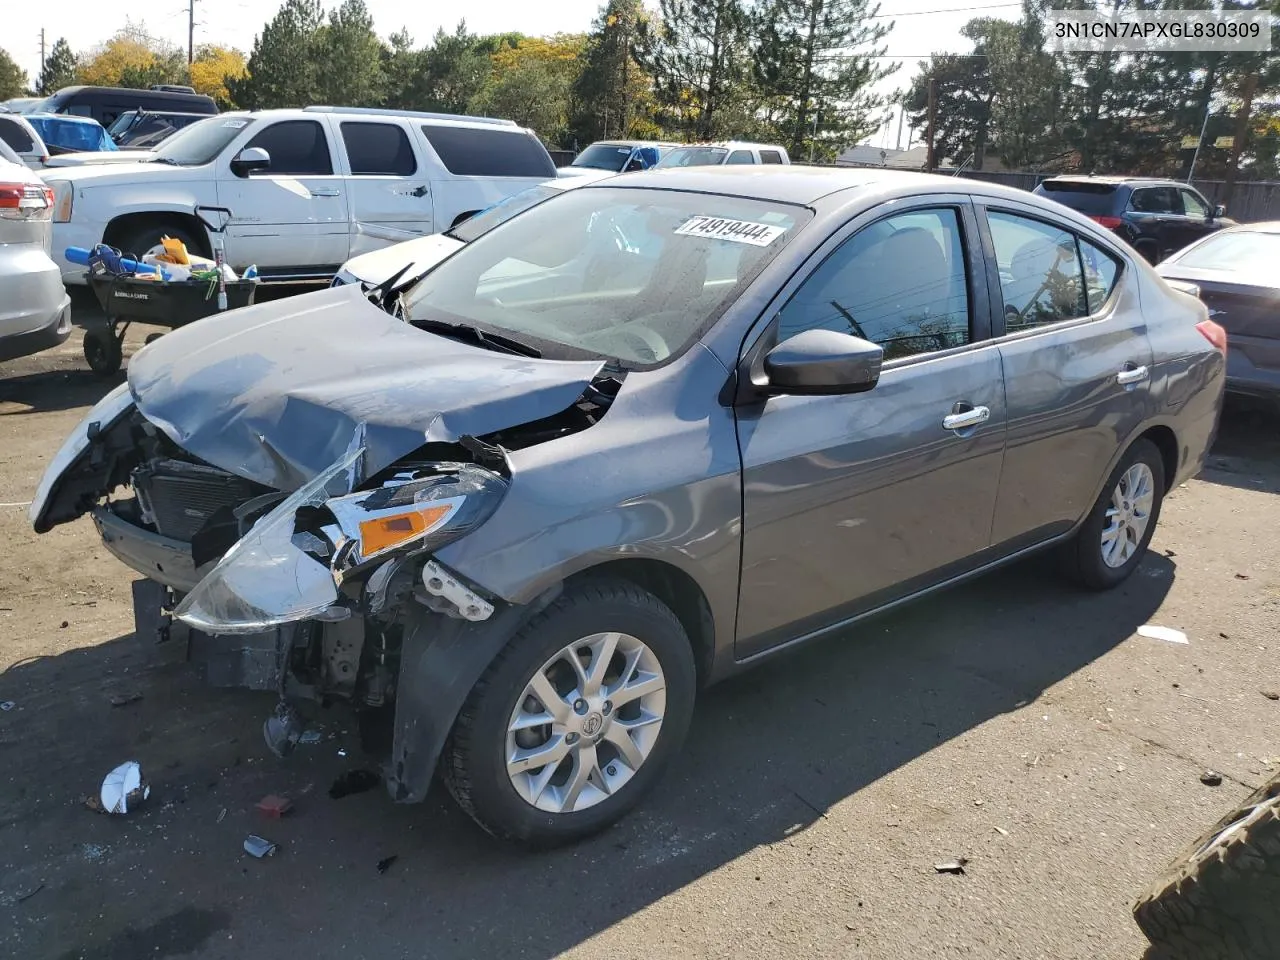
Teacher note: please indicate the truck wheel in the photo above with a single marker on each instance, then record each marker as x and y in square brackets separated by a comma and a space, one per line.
[145, 239]
[577, 717]
[102, 351]
[1217, 902]
[1113, 539]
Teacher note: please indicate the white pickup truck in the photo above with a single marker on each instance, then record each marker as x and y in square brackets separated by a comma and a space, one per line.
[307, 188]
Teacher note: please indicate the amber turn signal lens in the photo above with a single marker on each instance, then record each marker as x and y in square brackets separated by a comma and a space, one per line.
[384, 533]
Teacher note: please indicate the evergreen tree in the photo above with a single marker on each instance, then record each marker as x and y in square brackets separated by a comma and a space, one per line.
[352, 56]
[13, 79]
[402, 66]
[283, 70]
[456, 68]
[59, 69]
[964, 94]
[698, 54]
[612, 92]
[821, 57]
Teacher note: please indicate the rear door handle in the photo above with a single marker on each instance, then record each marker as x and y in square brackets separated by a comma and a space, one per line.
[1131, 375]
[326, 192]
[966, 418]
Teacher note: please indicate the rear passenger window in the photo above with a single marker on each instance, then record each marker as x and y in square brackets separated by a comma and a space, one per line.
[770, 156]
[1156, 200]
[1101, 270]
[298, 148]
[741, 156]
[900, 282]
[16, 136]
[378, 149]
[1040, 275]
[472, 152]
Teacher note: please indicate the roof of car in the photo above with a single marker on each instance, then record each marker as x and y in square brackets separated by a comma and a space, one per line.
[1263, 226]
[1115, 180]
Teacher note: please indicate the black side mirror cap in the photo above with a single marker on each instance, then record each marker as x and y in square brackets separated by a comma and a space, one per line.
[822, 363]
[249, 160]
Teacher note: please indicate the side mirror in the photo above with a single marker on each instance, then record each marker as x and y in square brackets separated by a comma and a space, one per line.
[1218, 211]
[823, 362]
[249, 160]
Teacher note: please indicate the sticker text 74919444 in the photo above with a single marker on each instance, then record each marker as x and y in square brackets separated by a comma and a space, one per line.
[739, 231]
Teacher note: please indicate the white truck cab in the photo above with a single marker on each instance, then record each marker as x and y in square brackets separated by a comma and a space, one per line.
[307, 188]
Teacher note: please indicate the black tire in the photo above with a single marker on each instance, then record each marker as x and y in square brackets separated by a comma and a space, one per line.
[138, 240]
[102, 351]
[1083, 554]
[473, 764]
[1217, 901]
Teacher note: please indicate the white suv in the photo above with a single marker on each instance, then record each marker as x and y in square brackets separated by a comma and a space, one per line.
[308, 188]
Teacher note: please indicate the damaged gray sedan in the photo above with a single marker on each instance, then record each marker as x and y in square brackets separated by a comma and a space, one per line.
[628, 442]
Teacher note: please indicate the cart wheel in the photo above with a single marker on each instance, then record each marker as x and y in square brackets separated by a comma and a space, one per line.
[152, 338]
[102, 352]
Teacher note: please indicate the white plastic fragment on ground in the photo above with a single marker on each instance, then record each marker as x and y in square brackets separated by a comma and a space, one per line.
[1167, 634]
[124, 788]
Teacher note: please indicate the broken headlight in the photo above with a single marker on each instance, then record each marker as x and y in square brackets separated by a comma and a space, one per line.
[289, 565]
[418, 510]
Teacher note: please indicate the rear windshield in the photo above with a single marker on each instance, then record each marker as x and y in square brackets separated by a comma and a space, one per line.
[1095, 199]
[694, 157]
[15, 135]
[473, 152]
[1245, 252]
[603, 156]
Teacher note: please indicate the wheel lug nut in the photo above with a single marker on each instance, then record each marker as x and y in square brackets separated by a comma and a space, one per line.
[612, 771]
[571, 738]
[580, 707]
[607, 708]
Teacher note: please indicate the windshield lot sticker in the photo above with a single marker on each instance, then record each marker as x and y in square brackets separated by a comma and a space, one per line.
[739, 231]
[234, 124]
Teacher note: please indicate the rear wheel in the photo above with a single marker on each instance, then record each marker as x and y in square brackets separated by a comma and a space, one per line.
[1114, 537]
[576, 718]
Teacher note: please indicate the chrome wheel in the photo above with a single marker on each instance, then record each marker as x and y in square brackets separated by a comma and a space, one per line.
[1128, 515]
[586, 722]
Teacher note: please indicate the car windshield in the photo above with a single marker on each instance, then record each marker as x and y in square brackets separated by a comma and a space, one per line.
[122, 122]
[694, 157]
[1245, 251]
[627, 274]
[199, 143]
[501, 212]
[603, 156]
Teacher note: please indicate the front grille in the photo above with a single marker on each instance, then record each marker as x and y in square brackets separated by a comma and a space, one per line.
[180, 498]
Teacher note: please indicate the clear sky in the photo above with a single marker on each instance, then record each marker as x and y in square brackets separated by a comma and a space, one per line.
[919, 30]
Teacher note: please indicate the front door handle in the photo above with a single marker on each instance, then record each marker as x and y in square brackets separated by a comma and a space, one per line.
[963, 419]
[419, 191]
[326, 192]
[1131, 375]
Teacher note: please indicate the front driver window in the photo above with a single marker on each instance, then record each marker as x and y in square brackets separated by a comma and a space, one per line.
[900, 283]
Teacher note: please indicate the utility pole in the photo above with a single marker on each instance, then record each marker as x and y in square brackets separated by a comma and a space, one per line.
[933, 110]
[42, 51]
[191, 31]
[1242, 133]
[1199, 143]
[902, 115]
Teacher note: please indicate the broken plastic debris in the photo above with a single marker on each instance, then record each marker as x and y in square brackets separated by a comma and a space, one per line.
[274, 805]
[7, 706]
[1168, 634]
[385, 864]
[955, 866]
[123, 788]
[124, 699]
[282, 729]
[259, 847]
[1211, 778]
[314, 735]
[222, 814]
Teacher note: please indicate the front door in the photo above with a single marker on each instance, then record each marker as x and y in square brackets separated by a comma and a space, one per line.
[1196, 219]
[851, 501]
[388, 188]
[291, 219]
[1077, 368]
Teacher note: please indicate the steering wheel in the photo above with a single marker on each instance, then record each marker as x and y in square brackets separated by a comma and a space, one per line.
[653, 343]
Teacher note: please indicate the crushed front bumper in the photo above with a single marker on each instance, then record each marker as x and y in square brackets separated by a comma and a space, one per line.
[158, 558]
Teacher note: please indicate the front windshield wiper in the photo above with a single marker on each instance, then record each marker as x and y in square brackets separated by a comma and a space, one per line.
[482, 338]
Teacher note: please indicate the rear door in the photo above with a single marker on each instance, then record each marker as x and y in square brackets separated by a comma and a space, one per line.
[1195, 221]
[388, 186]
[852, 501]
[291, 220]
[1076, 363]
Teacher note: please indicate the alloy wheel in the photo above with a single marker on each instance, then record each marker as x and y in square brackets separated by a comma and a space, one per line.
[1128, 515]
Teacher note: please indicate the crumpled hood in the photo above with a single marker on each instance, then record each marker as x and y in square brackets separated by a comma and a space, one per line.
[276, 392]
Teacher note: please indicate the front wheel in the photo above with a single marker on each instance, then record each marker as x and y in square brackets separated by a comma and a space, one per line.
[576, 718]
[1114, 537]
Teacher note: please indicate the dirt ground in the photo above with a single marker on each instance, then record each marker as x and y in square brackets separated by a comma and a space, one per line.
[1015, 722]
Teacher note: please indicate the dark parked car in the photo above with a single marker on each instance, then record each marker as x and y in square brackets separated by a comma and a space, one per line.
[105, 104]
[643, 435]
[1157, 217]
[1236, 273]
[145, 129]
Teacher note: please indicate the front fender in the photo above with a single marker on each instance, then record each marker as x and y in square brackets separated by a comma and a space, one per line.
[441, 660]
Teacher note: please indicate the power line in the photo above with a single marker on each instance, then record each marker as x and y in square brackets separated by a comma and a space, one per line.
[925, 13]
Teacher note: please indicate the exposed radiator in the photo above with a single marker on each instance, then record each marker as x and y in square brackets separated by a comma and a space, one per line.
[180, 498]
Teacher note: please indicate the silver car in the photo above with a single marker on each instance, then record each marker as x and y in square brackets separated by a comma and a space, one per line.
[590, 476]
[35, 310]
